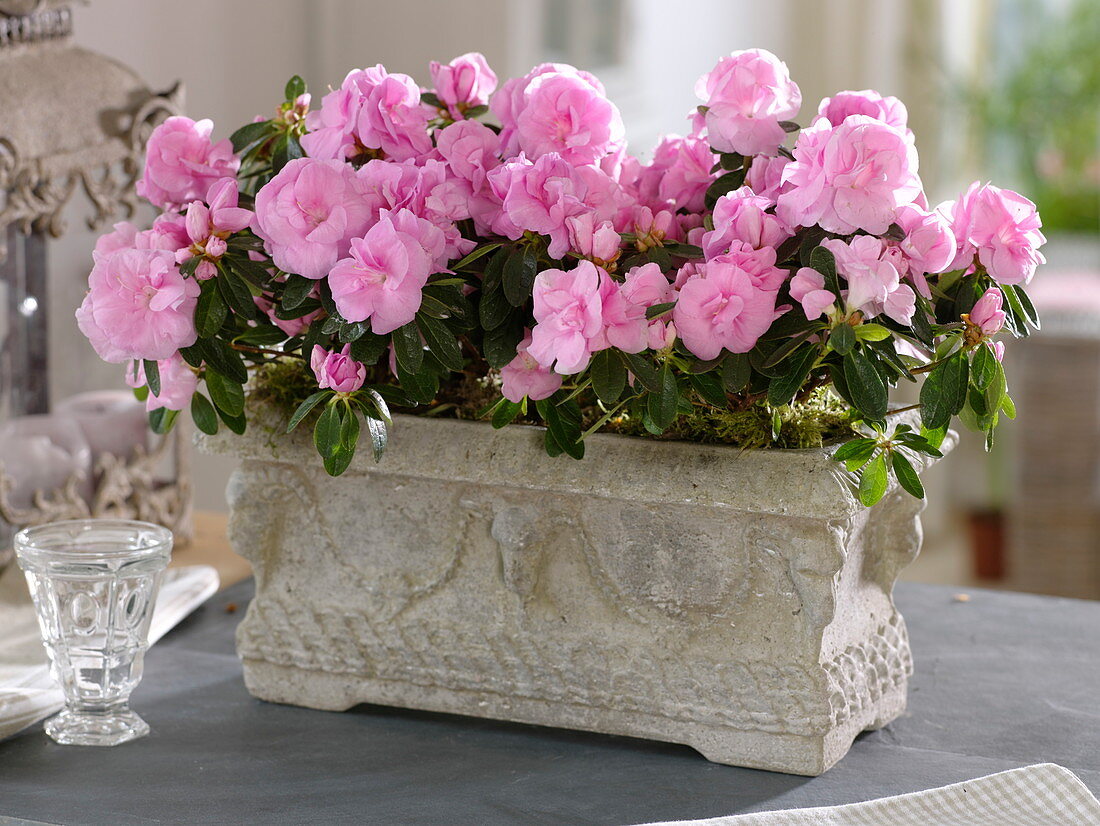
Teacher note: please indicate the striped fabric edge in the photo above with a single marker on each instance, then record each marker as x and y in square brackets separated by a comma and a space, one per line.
[1044, 794]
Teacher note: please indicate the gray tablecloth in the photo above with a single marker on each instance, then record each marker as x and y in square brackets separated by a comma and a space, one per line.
[1002, 680]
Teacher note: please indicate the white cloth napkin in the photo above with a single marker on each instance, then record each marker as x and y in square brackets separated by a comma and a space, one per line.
[1039, 795]
[27, 691]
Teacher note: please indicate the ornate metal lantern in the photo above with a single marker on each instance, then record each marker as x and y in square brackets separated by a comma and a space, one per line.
[70, 120]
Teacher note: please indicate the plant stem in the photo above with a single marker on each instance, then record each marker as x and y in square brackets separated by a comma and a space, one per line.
[248, 348]
[902, 409]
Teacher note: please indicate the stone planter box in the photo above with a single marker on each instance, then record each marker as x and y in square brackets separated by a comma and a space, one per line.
[737, 602]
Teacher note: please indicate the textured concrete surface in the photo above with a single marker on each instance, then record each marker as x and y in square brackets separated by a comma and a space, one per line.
[737, 602]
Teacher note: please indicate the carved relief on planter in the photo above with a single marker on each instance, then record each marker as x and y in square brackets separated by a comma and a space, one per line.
[736, 602]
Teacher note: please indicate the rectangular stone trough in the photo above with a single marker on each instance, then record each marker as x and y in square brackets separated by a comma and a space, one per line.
[738, 602]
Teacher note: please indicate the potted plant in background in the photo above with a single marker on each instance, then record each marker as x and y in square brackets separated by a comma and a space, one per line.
[486, 287]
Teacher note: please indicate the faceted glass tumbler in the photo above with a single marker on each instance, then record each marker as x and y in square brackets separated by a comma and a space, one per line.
[94, 583]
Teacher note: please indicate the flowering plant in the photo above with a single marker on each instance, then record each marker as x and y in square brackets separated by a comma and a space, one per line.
[396, 241]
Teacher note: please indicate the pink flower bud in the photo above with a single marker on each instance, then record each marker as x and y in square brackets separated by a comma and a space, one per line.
[337, 371]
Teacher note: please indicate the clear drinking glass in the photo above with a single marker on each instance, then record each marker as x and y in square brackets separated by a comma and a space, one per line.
[94, 583]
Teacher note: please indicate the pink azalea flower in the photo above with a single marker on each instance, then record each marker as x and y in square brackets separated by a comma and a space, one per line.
[393, 120]
[592, 238]
[1003, 227]
[740, 217]
[808, 289]
[556, 108]
[849, 177]
[178, 383]
[868, 102]
[747, 95]
[568, 307]
[539, 197]
[720, 308]
[470, 149]
[207, 227]
[181, 162]
[426, 190]
[333, 129]
[759, 264]
[987, 313]
[138, 306]
[679, 175]
[337, 370]
[122, 237]
[523, 376]
[624, 307]
[464, 82]
[308, 214]
[388, 268]
[765, 176]
[874, 284]
[929, 243]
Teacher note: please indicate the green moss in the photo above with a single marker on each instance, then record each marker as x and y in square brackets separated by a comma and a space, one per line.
[821, 419]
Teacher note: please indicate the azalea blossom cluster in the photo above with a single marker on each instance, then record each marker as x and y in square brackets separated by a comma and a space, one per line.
[395, 238]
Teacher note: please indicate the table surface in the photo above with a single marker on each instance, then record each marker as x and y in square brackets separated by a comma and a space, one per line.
[1002, 680]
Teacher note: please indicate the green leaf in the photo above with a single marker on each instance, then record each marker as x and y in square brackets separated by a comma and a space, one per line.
[499, 345]
[983, 367]
[736, 372]
[237, 424]
[294, 87]
[662, 404]
[408, 348]
[1008, 407]
[210, 311]
[203, 415]
[608, 376]
[906, 475]
[152, 375]
[237, 294]
[441, 341]
[475, 254]
[421, 386]
[997, 389]
[944, 392]
[934, 436]
[369, 348]
[303, 409]
[1026, 305]
[786, 349]
[379, 437]
[725, 184]
[326, 433]
[860, 452]
[822, 260]
[494, 308]
[918, 443]
[852, 448]
[519, 275]
[783, 388]
[162, 419]
[263, 335]
[872, 332]
[842, 339]
[296, 290]
[643, 371]
[349, 430]
[250, 134]
[659, 309]
[709, 386]
[872, 481]
[866, 386]
[506, 413]
[563, 433]
[227, 394]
